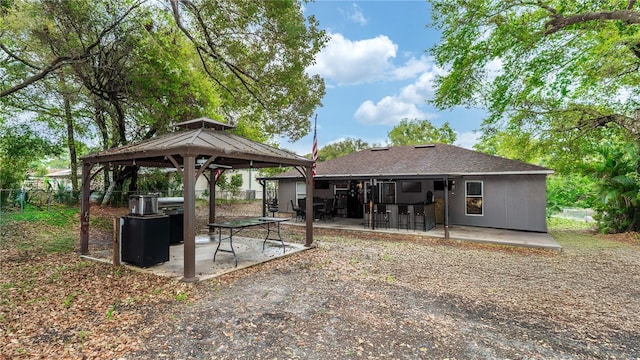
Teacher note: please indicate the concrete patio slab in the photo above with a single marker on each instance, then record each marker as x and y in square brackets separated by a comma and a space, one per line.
[459, 233]
[248, 251]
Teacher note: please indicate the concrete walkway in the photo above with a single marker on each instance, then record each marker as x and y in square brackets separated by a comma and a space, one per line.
[456, 232]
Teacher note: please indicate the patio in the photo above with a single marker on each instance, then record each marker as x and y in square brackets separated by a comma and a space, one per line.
[456, 232]
[248, 250]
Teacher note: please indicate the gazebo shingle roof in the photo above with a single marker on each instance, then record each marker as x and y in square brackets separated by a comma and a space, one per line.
[229, 148]
[418, 160]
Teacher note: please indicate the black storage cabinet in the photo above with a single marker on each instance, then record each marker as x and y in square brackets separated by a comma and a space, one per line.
[145, 240]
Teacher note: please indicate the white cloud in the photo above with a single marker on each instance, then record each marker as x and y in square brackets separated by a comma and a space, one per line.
[357, 16]
[391, 109]
[423, 88]
[388, 111]
[468, 139]
[412, 68]
[347, 62]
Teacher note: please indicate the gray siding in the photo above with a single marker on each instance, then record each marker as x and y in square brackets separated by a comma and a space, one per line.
[510, 202]
[286, 193]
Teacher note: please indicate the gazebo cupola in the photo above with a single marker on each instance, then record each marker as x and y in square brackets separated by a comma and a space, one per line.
[203, 123]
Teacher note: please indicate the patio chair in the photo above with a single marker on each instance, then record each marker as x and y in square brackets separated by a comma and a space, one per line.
[327, 210]
[302, 204]
[381, 217]
[403, 214]
[272, 207]
[299, 211]
[419, 217]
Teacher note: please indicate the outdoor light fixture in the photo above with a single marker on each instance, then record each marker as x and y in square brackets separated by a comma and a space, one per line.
[201, 161]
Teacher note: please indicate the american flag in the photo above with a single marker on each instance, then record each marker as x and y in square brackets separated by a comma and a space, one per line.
[217, 176]
[314, 151]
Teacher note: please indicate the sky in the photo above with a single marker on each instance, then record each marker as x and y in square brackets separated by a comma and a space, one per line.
[378, 71]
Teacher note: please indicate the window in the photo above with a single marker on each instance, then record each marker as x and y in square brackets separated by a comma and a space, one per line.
[388, 193]
[474, 197]
[301, 190]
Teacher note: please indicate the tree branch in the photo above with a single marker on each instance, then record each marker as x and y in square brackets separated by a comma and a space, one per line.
[61, 61]
[559, 22]
[17, 58]
[239, 73]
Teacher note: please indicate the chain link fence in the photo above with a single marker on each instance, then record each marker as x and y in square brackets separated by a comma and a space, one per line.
[21, 200]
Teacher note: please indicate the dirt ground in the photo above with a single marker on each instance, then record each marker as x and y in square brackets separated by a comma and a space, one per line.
[385, 297]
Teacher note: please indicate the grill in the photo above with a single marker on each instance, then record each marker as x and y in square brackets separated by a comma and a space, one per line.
[170, 204]
[174, 208]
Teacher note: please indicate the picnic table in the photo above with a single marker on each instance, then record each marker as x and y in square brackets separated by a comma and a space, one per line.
[238, 225]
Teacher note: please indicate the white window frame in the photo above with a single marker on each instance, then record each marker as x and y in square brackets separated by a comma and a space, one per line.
[301, 194]
[467, 197]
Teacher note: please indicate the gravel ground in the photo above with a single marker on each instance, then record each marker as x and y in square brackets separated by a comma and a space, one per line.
[389, 298]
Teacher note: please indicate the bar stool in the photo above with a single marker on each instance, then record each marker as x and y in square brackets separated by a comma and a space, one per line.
[367, 216]
[419, 217]
[403, 213]
[381, 217]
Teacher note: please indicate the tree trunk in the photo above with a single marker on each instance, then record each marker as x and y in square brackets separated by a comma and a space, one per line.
[71, 142]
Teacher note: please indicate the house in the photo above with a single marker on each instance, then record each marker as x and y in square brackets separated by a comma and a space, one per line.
[444, 184]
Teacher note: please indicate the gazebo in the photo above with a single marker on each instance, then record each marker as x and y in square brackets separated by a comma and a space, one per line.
[195, 147]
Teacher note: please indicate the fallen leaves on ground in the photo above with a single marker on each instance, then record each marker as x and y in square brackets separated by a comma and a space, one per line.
[357, 295]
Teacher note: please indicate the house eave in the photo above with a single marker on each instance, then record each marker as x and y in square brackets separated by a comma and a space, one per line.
[414, 175]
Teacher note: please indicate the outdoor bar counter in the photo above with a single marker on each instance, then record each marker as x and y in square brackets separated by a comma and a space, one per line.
[392, 213]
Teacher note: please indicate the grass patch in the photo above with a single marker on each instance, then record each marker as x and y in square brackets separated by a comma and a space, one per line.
[578, 235]
[556, 223]
[582, 240]
[61, 217]
[45, 231]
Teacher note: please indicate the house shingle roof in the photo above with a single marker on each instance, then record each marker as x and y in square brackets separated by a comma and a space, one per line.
[419, 160]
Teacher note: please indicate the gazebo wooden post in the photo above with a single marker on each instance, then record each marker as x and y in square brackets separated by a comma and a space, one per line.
[212, 196]
[189, 184]
[84, 208]
[309, 206]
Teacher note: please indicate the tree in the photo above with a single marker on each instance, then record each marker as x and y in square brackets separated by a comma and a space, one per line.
[563, 67]
[136, 67]
[412, 132]
[257, 53]
[559, 74]
[19, 146]
[341, 148]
